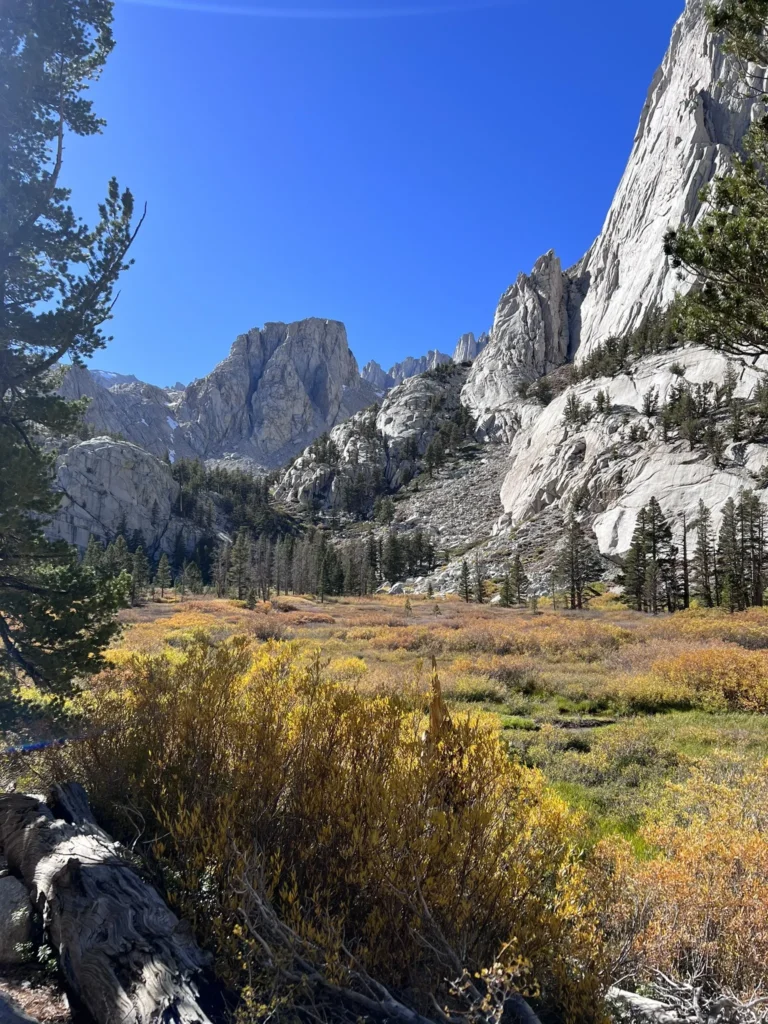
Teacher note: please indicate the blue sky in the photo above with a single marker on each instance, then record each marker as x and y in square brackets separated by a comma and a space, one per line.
[395, 172]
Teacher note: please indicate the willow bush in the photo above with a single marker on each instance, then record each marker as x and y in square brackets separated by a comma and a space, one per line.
[260, 781]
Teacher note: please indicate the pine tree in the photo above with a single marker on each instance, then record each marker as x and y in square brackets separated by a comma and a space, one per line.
[465, 582]
[636, 564]
[519, 581]
[479, 581]
[686, 565]
[392, 558]
[139, 575]
[507, 593]
[94, 557]
[576, 562]
[221, 568]
[57, 280]
[702, 563]
[240, 564]
[163, 575]
[751, 513]
[729, 558]
[193, 580]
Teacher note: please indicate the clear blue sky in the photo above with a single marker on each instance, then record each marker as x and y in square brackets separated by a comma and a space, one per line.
[395, 173]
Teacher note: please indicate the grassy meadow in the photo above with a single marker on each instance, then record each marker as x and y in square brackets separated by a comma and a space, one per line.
[610, 704]
[580, 800]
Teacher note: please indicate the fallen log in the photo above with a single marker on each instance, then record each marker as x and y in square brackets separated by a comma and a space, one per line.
[124, 954]
[10, 1013]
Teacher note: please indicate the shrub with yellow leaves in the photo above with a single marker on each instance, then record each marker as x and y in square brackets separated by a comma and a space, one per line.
[266, 782]
[695, 909]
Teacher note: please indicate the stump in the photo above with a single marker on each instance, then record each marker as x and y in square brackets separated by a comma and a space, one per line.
[124, 954]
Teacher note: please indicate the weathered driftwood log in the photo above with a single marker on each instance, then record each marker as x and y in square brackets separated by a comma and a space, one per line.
[125, 956]
[10, 1013]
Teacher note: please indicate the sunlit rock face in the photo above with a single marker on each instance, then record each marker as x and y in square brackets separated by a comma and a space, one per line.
[279, 388]
[694, 119]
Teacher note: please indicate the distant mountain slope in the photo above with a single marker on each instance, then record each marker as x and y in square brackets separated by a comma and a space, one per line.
[279, 388]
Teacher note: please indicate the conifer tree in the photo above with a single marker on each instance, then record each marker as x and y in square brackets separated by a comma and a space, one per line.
[636, 564]
[465, 582]
[576, 561]
[139, 574]
[193, 580]
[729, 558]
[479, 581]
[240, 564]
[57, 280]
[163, 574]
[94, 556]
[703, 561]
[686, 566]
[221, 568]
[519, 581]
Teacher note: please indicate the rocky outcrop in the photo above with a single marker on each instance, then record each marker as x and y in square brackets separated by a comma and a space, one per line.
[279, 388]
[377, 377]
[132, 411]
[618, 461]
[468, 348]
[694, 119]
[411, 367]
[377, 450]
[110, 485]
[530, 337]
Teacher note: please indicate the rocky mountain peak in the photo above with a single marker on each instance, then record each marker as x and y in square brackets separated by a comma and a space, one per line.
[280, 387]
[694, 119]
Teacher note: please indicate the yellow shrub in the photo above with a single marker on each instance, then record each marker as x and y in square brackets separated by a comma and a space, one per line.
[719, 678]
[349, 670]
[697, 908]
[368, 839]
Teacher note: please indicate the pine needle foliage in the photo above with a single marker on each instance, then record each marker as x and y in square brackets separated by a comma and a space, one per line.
[57, 281]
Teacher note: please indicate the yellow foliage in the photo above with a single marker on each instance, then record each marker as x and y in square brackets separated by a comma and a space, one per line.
[697, 907]
[247, 763]
[719, 678]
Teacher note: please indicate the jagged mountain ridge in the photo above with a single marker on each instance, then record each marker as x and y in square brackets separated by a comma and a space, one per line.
[467, 348]
[695, 117]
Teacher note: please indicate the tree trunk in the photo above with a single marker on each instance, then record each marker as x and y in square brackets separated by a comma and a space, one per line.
[125, 956]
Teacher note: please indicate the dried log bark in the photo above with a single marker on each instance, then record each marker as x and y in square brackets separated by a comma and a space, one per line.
[124, 954]
[10, 1013]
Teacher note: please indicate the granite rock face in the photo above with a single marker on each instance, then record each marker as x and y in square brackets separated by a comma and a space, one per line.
[619, 460]
[530, 337]
[108, 484]
[376, 446]
[375, 374]
[280, 387]
[468, 348]
[694, 120]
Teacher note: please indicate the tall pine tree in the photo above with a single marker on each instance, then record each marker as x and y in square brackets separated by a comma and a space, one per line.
[57, 279]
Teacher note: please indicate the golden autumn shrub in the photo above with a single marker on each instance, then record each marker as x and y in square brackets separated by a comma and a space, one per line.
[378, 845]
[718, 678]
[696, 908]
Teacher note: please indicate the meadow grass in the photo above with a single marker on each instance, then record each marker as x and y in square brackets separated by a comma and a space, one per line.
[610, 704]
